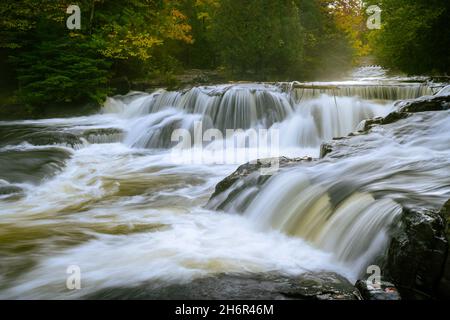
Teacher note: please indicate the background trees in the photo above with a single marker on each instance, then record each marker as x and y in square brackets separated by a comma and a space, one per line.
[123, 41]
[415, 36]
[50, 64]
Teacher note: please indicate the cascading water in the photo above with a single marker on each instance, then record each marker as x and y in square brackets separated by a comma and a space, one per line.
[346, 207]
[105, 193]
[306, 124]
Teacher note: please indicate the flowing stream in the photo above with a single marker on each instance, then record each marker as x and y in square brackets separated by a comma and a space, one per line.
[117, 196]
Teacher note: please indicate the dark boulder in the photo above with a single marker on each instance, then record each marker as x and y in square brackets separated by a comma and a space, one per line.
[417, 253]
[444, 284]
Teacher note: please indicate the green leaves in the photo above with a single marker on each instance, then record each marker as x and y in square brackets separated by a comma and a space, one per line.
[54, 65]
[415, 36]
[63, 71]
[267, 42]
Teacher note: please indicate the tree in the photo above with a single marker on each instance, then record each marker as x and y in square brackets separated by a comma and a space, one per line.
[414, 37]
[258, 38]
[55, 65]
[350, 19]
[327, 49]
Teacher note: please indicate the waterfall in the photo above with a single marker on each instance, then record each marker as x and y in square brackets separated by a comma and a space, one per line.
[229, 107]
[353, 228]
[367, 92]
[303, 124]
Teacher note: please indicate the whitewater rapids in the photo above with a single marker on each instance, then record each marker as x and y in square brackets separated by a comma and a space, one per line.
[104, 193]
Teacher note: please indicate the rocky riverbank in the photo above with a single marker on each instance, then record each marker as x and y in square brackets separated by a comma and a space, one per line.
[417, 260]
[309, 286]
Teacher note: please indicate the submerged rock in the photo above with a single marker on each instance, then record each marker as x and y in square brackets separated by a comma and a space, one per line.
[53, 138]
[9, 189]
[310, 286]
[103, 135]
[32, 166]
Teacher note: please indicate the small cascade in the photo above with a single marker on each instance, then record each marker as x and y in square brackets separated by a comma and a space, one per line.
[327, 217]
[155, 131]
[366, 92]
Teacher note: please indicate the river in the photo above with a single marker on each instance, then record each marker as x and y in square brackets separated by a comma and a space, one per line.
[116, 196]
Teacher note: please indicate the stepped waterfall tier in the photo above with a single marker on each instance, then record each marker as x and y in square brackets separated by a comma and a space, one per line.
[125, 195]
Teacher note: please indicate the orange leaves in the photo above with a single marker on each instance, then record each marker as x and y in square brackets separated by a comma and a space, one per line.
[177, 27]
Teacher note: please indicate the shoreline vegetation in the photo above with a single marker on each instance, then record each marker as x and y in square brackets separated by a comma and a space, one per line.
[12, 109]
[51, 71]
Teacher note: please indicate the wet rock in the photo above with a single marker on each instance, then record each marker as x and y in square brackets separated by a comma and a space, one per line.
[444, 283]
[393, 117]
[322, 286]
[9, 189]
[53, 138]
[103, 135]
[423, 104]
[253, 174]
[383, 291]
[405, 108]
[325, 149]
[310, 286]
[417, 253]
[370, 123]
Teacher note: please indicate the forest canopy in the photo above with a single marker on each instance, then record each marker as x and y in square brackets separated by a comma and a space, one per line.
[121, 42]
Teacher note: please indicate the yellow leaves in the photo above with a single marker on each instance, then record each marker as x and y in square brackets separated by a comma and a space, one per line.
[130, 44]
[350, 19]
[138, 36]
[177, 28]
[178, 15]
[76, 35]
[203, 15]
